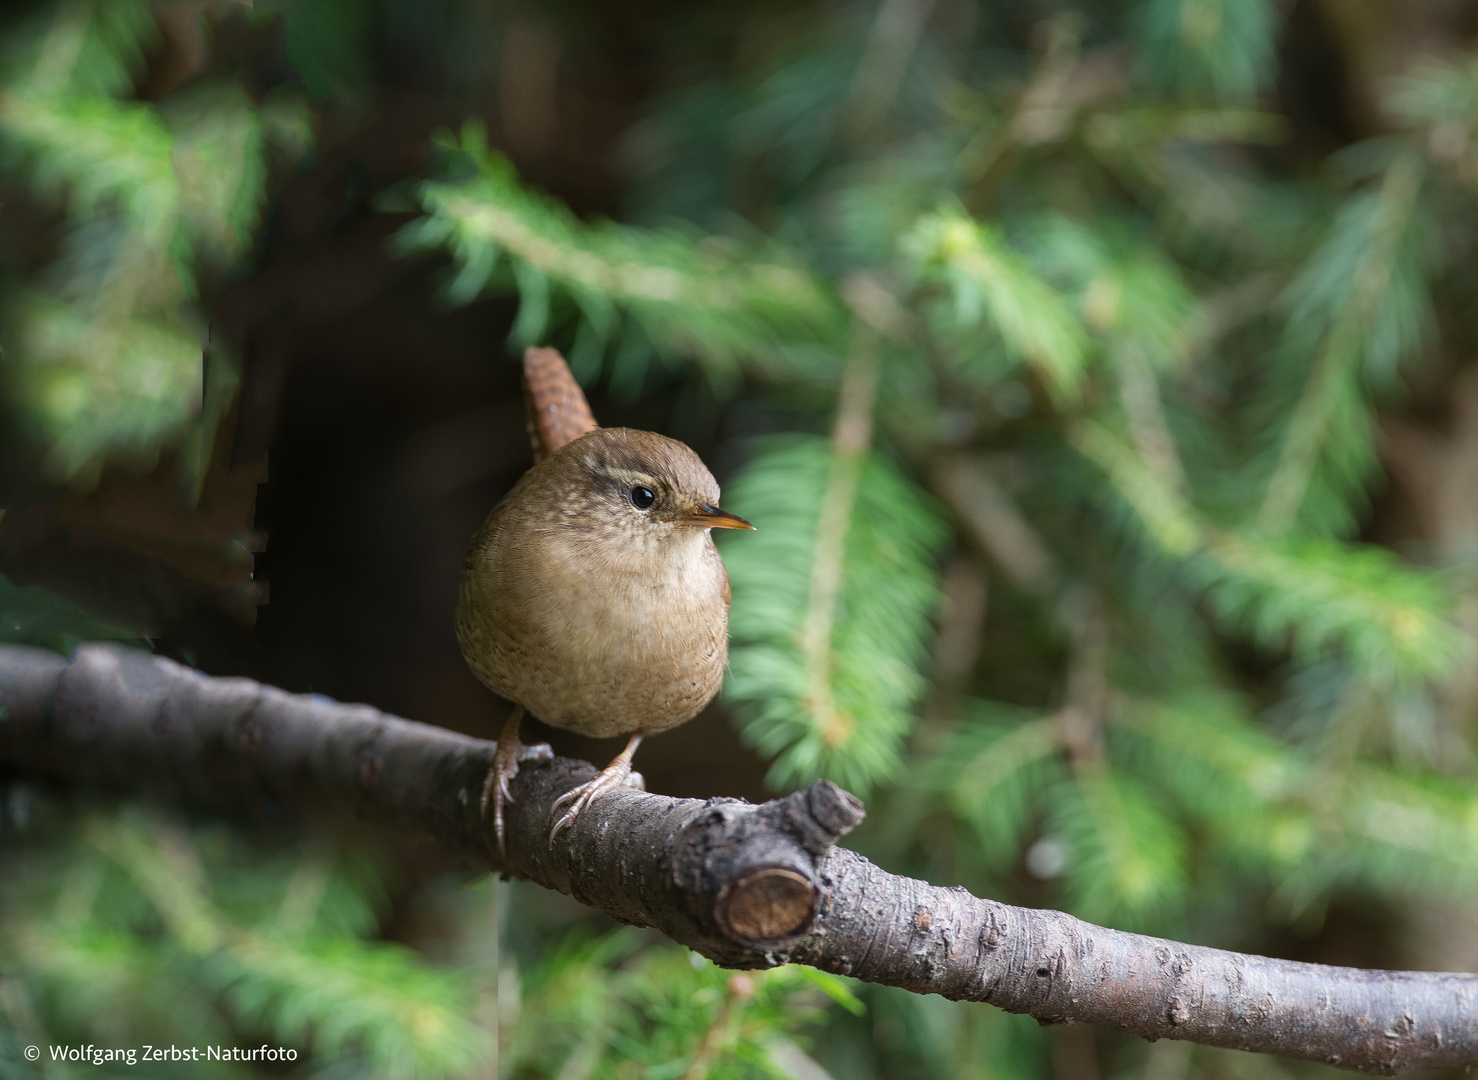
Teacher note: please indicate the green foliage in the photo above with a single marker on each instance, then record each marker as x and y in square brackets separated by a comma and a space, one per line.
[839, 708]
[1217, 49]
[126, 928]
[1126, 856]
[328, 42]
[344, 996]
[990, 286]
[623, 1006]
[1234, 780]
[1358, 309]
[713, 301]
[998, 768]
[34, 616]
[1391, 621]
[106, 356]
[1130, 294]
[80, 50]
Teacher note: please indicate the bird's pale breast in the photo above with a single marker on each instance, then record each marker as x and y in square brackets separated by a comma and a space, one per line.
[592, 632]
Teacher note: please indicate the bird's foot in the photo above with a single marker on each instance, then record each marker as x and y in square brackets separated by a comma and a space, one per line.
[617, 774]
[495, 788]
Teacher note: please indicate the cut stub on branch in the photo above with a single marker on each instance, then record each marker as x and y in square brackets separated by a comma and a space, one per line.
[745, 881]
[767, 858]
[769, 906]
[771, 892]
[748, 886]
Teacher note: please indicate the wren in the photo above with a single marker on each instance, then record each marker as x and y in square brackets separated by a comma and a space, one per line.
[593, 596]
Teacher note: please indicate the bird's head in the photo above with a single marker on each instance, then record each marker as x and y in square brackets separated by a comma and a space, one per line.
[639, 483]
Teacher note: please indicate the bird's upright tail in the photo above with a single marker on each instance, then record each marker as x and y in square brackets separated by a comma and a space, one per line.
[557, 410]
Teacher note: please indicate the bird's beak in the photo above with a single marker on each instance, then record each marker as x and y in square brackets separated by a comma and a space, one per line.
[711, 517]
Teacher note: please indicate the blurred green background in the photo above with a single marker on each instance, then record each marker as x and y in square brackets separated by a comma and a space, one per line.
[1127, 347]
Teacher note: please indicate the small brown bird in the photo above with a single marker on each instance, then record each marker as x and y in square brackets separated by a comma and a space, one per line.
[593, 596]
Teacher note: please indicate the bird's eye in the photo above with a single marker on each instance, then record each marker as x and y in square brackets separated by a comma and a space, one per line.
[641, 497]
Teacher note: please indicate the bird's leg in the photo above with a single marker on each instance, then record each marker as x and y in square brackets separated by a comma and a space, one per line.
[505, 767]
[617, 774]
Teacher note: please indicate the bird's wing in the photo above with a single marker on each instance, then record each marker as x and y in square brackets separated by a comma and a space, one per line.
[557, 410]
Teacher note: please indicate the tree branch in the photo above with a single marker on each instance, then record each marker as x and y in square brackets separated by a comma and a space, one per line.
[747, 886]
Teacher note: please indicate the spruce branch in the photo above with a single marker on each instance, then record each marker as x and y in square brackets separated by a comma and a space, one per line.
[693, 298]
[888, 588]
[851, 436]
[988, 284]
[1392, 619]
[747, 886]
[833, 605]
[1355, 279]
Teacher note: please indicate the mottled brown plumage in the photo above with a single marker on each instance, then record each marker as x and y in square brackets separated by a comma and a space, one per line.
[553, 401]
[593, 596]
[594, 615]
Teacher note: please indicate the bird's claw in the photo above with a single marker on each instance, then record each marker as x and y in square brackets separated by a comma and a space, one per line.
[617, 774]
[495, 788]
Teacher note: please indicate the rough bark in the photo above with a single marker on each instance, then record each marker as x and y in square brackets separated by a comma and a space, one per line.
[748, 886]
